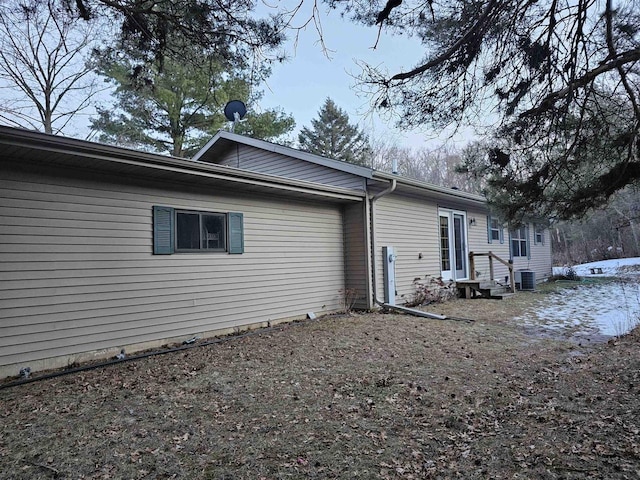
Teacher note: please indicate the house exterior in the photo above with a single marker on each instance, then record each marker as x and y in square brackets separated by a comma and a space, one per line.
[432, 229]
[104, 248]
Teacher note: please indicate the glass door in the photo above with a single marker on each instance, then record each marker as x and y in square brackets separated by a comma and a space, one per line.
[453, 244]
[445, 247]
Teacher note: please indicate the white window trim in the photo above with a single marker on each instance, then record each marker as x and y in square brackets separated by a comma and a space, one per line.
[490, 230]
[520, 240]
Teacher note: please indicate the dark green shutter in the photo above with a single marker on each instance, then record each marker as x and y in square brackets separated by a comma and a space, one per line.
[489, 236]
[235, 226]
[528, 242]
[163, 231]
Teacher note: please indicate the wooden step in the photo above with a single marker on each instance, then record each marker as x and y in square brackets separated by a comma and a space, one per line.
[502, 296]
[485, 289]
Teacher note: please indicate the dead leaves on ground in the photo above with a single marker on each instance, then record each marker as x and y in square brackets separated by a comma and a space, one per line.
[328, 400]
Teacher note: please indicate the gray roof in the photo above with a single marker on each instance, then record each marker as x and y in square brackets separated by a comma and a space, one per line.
[71, 152]
[20, 145]
[223, 140]
[416, 186]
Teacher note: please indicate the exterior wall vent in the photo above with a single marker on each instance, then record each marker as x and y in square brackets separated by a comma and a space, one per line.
[525, 280]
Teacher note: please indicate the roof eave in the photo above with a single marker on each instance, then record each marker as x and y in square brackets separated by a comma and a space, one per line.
[428, 188]
[118, 155]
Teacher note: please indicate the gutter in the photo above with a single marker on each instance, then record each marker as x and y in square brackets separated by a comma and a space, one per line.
[423, 187]
[419, 313]
[390, 189]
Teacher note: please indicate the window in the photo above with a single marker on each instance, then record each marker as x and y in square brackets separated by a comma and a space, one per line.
[538, 235]
[519, 240]
[494, 230]
[192, 231]
[445, 257]
[200, 231]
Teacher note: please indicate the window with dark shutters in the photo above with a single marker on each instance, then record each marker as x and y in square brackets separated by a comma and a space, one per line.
[184, 231]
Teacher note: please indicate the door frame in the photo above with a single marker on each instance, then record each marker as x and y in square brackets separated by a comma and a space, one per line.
[454, 273]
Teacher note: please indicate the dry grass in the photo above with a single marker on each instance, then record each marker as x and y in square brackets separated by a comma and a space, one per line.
[353, 396]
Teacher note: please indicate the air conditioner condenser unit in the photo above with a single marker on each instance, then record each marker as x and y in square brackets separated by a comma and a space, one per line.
[525, 280]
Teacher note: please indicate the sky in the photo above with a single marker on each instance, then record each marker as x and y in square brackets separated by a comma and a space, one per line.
[301, 85]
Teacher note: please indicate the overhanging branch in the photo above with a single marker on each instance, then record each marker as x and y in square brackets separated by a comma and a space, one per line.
[451, 50]
[614, 64]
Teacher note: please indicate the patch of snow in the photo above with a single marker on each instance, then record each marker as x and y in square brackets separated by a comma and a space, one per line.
[609, 309]
[610, 268]
[605, 308]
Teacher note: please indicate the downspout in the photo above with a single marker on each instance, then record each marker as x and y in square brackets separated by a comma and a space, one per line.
[411, 311]
[386, 191]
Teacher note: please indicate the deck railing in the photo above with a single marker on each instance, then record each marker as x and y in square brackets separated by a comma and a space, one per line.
[492, 256]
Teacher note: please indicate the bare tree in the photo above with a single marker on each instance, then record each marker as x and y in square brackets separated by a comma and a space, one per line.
[605, 233]
[437, 166]
[44, 79]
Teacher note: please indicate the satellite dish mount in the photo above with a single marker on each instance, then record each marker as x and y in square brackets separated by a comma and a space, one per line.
[234, 111]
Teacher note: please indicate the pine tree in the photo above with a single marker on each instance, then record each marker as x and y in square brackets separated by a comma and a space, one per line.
[178, 106]
[556, 83]
[331, 135]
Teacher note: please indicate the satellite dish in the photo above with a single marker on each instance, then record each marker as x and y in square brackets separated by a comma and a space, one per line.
[235, 110]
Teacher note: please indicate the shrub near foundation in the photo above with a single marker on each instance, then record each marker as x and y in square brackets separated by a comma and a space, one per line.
[430, 290]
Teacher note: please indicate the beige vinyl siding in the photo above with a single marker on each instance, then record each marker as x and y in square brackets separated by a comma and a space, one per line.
[540, 255]
[411, 226]
[540, 261]
[357, 277]
[77, 272]
[258, 160]
[479, 243]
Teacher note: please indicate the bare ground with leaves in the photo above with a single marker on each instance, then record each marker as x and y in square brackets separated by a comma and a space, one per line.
[352, 396]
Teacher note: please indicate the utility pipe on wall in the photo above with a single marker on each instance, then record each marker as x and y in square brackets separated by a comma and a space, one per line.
[386, 191]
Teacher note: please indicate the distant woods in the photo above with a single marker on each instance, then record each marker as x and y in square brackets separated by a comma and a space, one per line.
[437, 166]
[333, 136]
[611, 232]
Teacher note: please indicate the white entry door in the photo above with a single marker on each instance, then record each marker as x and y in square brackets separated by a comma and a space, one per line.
[453, 244]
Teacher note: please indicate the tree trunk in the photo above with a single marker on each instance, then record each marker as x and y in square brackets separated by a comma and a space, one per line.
[47, 123]
[634, 233]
